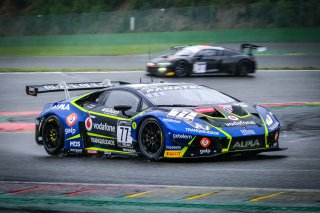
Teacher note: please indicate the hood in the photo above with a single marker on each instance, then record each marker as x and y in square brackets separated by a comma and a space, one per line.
[220, 115]
[166, 58]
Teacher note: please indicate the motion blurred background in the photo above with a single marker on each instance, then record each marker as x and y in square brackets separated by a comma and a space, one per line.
[124, 27]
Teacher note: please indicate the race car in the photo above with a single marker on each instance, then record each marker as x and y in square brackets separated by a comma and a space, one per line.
[201, 59]
[155, 120]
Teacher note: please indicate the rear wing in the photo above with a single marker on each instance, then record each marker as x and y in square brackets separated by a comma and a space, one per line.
[34, 90]
[250, 47]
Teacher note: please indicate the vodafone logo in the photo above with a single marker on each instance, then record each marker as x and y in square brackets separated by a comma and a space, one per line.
[71, 119]
[231, 117]
[88, 123]
[205, 142]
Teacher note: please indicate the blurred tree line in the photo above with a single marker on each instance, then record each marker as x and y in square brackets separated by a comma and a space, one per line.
[49, 7]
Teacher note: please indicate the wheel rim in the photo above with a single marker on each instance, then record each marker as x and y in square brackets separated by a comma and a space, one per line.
[151, 138]
[52, 135]
[181, 69]
[243, 69]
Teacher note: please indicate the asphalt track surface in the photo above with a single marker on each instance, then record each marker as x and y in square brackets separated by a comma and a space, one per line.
[31, 181]
[282, 55]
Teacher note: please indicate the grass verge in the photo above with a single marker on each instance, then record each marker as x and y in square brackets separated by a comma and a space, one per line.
[139, 43]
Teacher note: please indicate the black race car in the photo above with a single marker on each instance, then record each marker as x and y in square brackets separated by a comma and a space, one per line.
[199, 59]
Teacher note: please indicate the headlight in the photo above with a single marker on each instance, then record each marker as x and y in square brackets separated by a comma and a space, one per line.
[164, 64]
[269, 120]
[151, 64]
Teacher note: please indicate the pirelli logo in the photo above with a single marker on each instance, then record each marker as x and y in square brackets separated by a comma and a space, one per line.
[172, 154]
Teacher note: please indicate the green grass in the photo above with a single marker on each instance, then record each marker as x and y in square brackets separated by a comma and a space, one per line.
[141, 43]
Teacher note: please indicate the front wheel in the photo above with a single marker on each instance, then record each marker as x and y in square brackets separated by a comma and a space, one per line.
[182, 69]
[53, 135]
[151, 140]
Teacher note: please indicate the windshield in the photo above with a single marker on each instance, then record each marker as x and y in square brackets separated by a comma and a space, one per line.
[187, 51]
[185, 95]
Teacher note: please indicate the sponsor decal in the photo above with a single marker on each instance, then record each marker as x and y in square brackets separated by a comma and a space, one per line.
[169, 88]
[104, 127]
[227, 108]
[240, 123]
[134, 125]
[273, 127]
[172, 154]
[76, 150]
[169, 120]
[71, 119]
[205, 151]
[231, 117]
[75, 144]
[201, 131]
[74, 86]
[124, 144]
[110, 111]
[173, 147]
[182, 136]
[92, 151]
[129, 150]
[199, 67]
[205, 142]
[88, 123]
[205, 110]
[247, 132]
[107, 153]
[91, 106]
[102, 141]
[182, 114]
[247, 144]
[241, 104]
[70, 130]
[61, 106]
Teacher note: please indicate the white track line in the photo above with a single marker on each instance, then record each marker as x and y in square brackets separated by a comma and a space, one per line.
[126, 72]
[148, 185]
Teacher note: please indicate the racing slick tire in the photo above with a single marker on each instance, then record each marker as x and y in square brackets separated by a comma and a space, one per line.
[182, 69]
[243, 68]
[53, 135]
[151, 139]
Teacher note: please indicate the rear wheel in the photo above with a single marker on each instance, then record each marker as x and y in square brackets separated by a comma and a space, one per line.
[151, 140]
[182, 69]
[53, 135]
[243, 68]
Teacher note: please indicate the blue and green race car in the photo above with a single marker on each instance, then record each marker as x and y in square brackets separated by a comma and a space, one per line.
[156, 120]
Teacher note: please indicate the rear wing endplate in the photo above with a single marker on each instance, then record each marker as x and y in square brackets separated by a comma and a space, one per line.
[251, 47]
[34, 90]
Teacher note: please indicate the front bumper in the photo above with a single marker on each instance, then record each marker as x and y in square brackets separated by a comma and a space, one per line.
[161, 71]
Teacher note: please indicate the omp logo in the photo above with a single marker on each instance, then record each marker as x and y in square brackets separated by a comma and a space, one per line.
[71, 119]
[246, 144]
[104, 127]
[183, 136]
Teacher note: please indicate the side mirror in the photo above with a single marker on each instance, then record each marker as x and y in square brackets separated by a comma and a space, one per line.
[123, 109]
